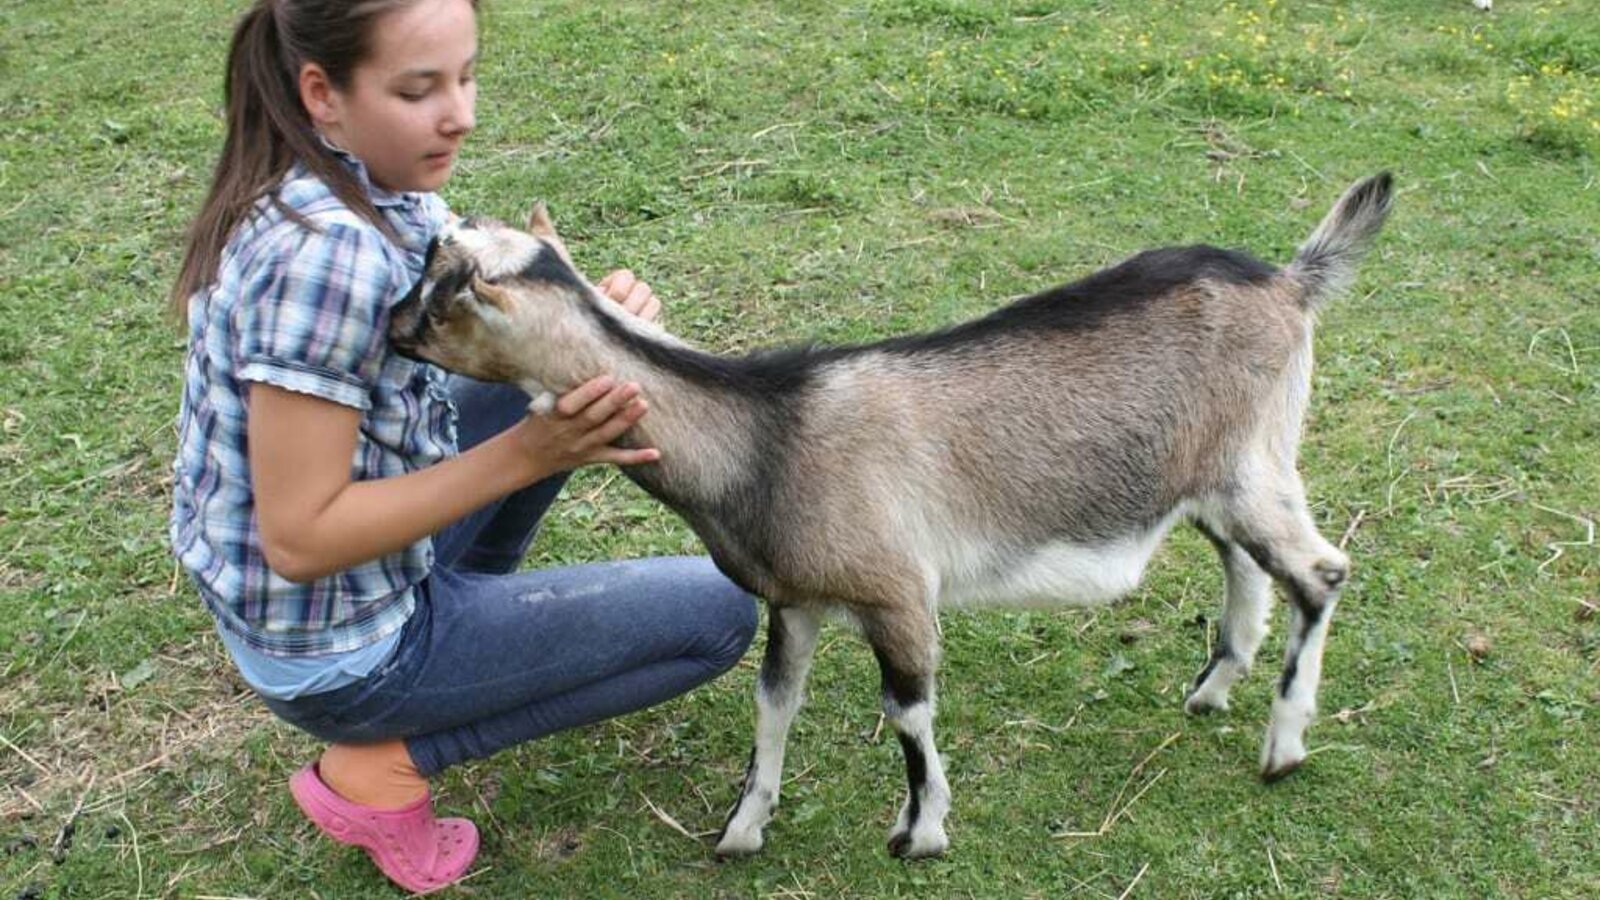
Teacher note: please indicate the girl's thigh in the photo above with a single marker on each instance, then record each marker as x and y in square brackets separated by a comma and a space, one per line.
[498, 642]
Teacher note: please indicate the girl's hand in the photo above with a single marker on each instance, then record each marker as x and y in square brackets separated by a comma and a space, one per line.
[634, 295]
[579, 431]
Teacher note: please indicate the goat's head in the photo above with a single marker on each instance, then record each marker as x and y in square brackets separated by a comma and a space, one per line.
[488, 294]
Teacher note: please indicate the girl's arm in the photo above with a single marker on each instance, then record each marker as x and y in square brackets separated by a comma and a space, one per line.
[316, 521]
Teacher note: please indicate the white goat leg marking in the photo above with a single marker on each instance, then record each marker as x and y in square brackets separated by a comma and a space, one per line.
[919, 829]
[780, 690]
[1295, 705]
[1246, 606]
[743, 832]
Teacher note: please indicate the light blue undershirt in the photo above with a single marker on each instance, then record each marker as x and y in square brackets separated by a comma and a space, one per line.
[288, 677]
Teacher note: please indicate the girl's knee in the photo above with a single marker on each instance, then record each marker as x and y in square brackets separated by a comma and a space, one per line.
[737, 625]
[747, 620]
[717, 615]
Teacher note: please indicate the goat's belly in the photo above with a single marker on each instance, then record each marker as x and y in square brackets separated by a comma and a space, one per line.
[1059, 574]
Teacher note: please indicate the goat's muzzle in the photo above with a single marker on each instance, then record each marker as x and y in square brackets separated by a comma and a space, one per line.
[408, 322]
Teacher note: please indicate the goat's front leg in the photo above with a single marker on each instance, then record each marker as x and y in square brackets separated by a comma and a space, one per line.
[906, 643]
[780, 689]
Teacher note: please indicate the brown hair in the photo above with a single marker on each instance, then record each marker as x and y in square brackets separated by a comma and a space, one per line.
[268, 128]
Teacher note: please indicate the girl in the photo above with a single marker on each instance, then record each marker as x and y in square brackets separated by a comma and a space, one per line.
[353, 519]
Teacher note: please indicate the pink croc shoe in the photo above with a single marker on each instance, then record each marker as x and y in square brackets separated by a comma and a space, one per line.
[417, 851]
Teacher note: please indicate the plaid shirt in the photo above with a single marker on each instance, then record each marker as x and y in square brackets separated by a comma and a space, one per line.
[307, 311]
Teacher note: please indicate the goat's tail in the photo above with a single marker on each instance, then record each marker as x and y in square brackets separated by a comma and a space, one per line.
[1326, 263]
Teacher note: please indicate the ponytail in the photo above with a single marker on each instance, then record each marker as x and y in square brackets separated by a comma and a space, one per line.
[268, 128]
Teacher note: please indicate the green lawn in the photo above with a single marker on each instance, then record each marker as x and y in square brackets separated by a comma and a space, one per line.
[806, 170]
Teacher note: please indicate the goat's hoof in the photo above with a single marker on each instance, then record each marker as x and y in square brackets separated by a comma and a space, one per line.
[735, 844]
[1278, 773]
[1201, 703]
[1281, 759]
[902, 845]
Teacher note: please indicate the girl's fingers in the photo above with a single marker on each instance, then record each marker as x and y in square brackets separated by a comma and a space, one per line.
[618, 285]
[620, 457]
[615, 426]
[581, 397]
[638, 298]
[635, 296]
[601, 411]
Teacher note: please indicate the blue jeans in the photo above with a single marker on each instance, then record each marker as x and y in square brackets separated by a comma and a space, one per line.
[493, 657]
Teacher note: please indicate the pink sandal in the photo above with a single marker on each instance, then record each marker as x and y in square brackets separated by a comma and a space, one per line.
[417, 851]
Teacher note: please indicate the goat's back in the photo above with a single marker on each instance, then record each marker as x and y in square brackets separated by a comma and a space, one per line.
[1084, 415]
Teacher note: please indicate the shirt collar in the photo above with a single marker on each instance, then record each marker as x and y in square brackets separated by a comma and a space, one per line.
[380, 197]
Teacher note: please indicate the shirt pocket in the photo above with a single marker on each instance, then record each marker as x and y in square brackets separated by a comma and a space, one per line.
[411, 418]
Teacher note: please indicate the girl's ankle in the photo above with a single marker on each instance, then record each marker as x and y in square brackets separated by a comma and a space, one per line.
[378, 775]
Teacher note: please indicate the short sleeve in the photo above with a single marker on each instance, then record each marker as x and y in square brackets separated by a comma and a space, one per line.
[312, 317]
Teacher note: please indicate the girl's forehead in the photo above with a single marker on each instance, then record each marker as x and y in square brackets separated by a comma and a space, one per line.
[423, 37]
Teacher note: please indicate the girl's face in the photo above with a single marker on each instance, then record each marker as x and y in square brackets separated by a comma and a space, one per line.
[409, 105]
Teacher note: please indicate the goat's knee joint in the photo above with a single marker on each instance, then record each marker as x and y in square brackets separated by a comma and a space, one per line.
[1332, 572]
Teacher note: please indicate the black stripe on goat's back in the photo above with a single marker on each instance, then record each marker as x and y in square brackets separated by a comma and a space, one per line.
[1146, 276]
[1085, 304]
[1081, 305]
[765, 372]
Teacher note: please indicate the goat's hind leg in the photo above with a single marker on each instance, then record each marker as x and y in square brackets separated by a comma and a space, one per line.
[1247, 604]
[1274, 526]
[780, 689]
[906, 643]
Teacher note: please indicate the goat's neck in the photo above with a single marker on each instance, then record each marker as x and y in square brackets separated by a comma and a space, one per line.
[706, 434]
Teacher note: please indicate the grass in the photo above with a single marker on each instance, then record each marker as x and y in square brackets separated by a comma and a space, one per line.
[809, 170]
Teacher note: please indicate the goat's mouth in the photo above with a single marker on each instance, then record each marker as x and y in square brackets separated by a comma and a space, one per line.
[408, 319]
[408, 323]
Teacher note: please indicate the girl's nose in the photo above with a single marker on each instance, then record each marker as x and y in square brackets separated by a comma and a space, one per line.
[461, 117]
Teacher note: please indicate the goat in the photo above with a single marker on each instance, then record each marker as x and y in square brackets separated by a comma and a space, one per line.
[1035, 455]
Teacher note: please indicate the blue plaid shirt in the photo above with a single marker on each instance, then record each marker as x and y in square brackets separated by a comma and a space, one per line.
[305, 310]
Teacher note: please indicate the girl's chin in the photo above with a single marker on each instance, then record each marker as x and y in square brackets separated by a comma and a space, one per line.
[430, 178]
[418, 183]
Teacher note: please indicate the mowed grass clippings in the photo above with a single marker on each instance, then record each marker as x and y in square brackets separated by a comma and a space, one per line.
[784, 172]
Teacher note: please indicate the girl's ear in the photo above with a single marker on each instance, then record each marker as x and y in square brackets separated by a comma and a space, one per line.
[318, 96]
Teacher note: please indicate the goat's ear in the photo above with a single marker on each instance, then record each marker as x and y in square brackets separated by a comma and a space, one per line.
[540, 226]
[539, 222]
[493, 294]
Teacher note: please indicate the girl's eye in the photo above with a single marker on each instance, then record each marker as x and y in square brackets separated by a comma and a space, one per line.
[412, 96]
